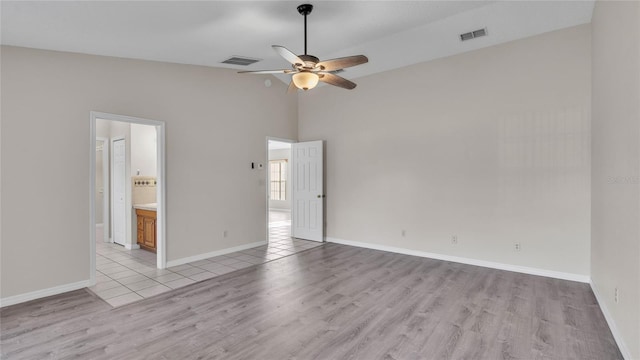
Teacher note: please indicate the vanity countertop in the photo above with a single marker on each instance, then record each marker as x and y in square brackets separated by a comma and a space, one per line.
[149, 206]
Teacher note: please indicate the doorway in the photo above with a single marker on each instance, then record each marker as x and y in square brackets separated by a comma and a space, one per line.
[279, 194]
[126, 177]
[295, 190]
[278, 190]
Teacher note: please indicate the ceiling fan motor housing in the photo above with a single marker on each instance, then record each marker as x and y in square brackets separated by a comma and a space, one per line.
[310, 62]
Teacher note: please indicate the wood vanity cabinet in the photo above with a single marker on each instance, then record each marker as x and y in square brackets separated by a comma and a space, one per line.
[146, 229]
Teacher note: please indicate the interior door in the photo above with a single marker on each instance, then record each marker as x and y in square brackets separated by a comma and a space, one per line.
[119, 185]
[307, 213]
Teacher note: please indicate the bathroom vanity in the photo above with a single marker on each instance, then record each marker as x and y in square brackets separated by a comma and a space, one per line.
[146, 224]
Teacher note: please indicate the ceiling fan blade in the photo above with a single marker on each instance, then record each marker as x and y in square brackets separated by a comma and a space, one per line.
[292, 88]
[341, 63]
[285, 71]
[288, 55]
[337, 81]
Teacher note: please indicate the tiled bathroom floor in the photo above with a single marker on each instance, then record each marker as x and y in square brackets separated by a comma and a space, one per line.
[124, 276]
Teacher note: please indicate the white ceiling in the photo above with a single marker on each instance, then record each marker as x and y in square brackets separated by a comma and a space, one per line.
[391, 33]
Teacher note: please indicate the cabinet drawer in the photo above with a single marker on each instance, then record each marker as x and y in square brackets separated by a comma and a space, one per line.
[146, 213]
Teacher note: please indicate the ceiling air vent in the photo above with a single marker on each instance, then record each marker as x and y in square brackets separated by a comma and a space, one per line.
[240, 60]
[473, 34]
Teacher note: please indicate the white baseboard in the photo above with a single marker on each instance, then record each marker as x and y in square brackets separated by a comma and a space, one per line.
[131, 246]
[17, 299]
[214, 253]
[483, 263]
[612, 325]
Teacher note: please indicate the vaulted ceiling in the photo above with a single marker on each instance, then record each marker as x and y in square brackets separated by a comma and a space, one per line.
[391, 33]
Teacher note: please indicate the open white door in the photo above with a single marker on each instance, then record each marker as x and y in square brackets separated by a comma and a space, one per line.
[307, 212]
[119, 184]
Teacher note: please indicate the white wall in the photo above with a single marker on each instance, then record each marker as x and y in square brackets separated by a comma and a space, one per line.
[282, 154]
[616, 168]
[206, 113]
[99, 181]
[143, 150]
[103, 130]
[491, 145]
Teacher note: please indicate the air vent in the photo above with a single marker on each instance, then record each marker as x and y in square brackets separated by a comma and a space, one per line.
[473, 34]
[240, 60]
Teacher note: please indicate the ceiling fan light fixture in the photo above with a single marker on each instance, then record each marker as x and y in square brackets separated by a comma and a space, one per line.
[305, 80]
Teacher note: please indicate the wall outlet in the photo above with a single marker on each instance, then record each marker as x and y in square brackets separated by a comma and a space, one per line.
[616, 295]
[225, 233]
[517, 246]
[403, 233]
[454, 239]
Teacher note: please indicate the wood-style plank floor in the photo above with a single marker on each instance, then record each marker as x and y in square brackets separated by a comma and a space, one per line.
[331, 302]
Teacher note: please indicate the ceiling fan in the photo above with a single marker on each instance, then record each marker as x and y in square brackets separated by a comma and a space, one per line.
[307, 70]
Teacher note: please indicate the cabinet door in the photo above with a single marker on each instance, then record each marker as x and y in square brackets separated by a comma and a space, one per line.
[150, 232]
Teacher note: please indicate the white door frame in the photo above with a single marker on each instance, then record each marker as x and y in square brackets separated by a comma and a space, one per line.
[268, 180]
[106, 189]
[161, 254]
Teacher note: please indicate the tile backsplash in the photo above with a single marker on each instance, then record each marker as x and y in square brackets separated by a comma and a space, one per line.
[143, 189]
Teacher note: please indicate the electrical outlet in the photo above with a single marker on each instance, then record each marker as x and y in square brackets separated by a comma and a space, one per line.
[404, 233]
[616, 295]
[518, 247]
[454, 239]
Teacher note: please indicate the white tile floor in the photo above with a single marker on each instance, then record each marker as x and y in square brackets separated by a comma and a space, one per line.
[124, 276]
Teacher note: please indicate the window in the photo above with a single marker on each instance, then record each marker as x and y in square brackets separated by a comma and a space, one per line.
[278, 169]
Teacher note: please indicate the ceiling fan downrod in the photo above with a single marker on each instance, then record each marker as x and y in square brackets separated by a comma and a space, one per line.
[305, 9]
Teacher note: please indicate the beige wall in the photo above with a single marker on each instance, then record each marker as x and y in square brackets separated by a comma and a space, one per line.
[615, 228]
[207, 112]
[491, 146]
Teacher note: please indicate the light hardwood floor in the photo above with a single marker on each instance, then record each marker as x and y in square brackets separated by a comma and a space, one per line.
[331, 302]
